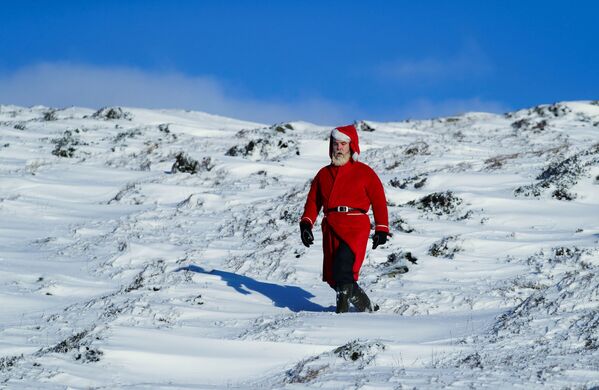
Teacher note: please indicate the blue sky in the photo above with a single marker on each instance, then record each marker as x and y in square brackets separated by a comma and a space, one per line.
[328, 62]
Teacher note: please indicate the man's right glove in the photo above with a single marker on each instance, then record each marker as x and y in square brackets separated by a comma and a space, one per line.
[306, 233]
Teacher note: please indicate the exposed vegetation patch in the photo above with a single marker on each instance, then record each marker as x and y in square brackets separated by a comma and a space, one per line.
[572, 295]
[555, 110]
[357, 350]
[497, 162]
[193, 201]
[186, 164]
[150, 277]
[446, 247]
[65, 146]
[8, 362]
[269, 143]
[438, 203]
[559, 177]
[417, 148]
[396, 264]
[112, 113]
[197, 300]
[473, 360]
[127, 134]
[49, 115]
[416, 181]
[265, 149]
[306, 371]
[356, 353]
[88, 355]
[73, 342]
[78, 344]
[532, 117]
[164, 129]
[527, 124]
[130, 189]
[558, 319]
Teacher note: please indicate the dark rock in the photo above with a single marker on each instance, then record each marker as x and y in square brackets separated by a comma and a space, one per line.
[401, 225]
[282, 127]
[363, 126]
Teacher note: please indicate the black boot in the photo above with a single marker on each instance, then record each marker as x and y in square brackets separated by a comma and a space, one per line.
[361, 301]
[344, 293]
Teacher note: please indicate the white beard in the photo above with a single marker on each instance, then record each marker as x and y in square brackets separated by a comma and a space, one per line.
[340, 159]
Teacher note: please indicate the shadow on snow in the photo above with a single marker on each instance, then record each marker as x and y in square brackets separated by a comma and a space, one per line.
[292, 297]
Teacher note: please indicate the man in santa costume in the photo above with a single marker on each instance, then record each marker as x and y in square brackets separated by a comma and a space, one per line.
[345, 190]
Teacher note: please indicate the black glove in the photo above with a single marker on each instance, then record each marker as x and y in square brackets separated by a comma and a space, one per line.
[379, 238]
[306, 234]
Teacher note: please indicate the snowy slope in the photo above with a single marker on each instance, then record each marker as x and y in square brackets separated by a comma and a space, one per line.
[160, 249]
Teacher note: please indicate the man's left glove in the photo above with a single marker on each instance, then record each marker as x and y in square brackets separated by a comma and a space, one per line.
[379, 238]
[306, 234]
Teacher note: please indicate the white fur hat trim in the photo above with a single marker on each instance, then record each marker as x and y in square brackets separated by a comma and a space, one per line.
[339, 136]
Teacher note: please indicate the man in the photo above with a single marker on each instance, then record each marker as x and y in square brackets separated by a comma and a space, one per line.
[345, 190]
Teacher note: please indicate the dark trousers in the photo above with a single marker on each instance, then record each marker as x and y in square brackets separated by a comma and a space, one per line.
[343, 265]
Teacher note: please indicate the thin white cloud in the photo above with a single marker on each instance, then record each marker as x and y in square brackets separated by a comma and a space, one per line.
[427, 108]
[64, 84]
[469, 62]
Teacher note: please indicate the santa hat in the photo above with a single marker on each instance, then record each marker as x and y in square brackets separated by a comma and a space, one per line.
[347, 134]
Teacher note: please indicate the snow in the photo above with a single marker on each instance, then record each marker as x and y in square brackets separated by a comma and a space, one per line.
[118, 272]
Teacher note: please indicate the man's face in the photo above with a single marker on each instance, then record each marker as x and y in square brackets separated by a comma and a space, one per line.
[340, 152]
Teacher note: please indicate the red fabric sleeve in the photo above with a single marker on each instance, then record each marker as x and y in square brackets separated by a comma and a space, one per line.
[313, 203]
[376, 194]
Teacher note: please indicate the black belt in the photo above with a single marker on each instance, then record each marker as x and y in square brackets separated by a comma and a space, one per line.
[344, 209]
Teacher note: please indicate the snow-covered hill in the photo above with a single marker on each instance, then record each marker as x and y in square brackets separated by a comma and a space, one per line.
[160, 249]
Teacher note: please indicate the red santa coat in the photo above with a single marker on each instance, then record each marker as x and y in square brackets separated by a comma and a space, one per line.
[354, 185]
